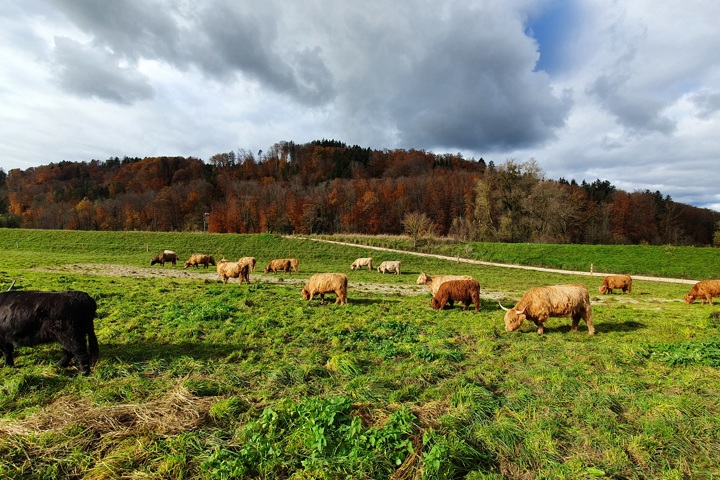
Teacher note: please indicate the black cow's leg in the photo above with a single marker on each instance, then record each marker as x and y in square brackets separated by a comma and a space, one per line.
[7, 351]
[66, 358]
[83, 360]
[76, 347]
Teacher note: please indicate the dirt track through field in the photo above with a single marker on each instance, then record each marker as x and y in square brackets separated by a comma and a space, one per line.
[210, 276]
[503, 265]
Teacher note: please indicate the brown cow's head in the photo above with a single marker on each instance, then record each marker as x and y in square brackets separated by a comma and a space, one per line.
[689, 298]
[603, 289]
[513, 318]
[305, 294]
[435, 303]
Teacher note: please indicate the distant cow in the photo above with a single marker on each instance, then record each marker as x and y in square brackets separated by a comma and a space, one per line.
[294, 264]
[29, 318]
[322, 283]
[227, 270]
[362, 262]
[168, 256]
[705, 290]
[433, 282]
[622, 282]
[540, 303]
[197, 259]
[279, 264]
[390, 266]
[249, 261]
[466, 291]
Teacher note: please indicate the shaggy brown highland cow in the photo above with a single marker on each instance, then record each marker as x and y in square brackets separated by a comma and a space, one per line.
[540, 303]
[322, 283]
[705, 290]
[279, 264]
[466, 291]
[228, 270]
[197, 259]
[622, 282]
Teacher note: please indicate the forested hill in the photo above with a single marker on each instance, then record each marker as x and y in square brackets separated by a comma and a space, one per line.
[329, 187]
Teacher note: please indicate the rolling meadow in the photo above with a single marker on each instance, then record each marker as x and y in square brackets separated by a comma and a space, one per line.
[199, 379]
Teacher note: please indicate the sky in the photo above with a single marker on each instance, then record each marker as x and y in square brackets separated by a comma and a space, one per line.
[627, 92]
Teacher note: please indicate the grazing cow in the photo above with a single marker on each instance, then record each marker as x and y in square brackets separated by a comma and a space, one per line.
[623, 282]
[362, 262]
[322, 283]
[466, 291]
[197, 259]
[294, 264]
[705, 290]
[390, 266]
[279, 264]
[168, 256]
[538, 304]
[250, 261]
[29, 318]
[227, 269]
[433, 282]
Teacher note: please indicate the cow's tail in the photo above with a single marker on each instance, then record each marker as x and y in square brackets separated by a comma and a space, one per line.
[93, 348]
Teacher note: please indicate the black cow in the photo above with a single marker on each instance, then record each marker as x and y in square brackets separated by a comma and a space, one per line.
[30, 318]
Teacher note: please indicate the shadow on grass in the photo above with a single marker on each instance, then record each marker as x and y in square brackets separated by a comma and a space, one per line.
[371, 301]
[629, 326]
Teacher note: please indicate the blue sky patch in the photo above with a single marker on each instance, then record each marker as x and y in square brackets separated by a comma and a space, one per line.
[553, 28]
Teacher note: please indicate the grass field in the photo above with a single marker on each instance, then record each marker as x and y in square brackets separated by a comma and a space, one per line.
[198, 379]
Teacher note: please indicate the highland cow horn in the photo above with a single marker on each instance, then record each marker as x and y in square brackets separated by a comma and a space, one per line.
[11, 285]
[506, 309]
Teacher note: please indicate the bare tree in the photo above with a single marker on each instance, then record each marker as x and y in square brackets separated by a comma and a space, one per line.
[417, 225]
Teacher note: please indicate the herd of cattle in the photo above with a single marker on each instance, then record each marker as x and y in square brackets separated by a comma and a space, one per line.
[29, 318]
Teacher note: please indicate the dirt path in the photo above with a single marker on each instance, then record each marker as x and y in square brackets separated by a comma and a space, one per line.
[503, 265]
[210, 276]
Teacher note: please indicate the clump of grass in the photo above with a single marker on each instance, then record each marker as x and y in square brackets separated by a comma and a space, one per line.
[686, 353]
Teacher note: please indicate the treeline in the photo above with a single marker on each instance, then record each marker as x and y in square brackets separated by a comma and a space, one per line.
[329, 187]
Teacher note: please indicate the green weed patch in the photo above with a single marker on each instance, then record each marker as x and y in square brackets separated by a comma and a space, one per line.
[686, 353]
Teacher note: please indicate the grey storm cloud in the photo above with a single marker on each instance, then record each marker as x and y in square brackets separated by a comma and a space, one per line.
[88, 72]
[430, 77]
[631, 107]
[449, 76]
[475, 87]
[707, 102]
[220, 39]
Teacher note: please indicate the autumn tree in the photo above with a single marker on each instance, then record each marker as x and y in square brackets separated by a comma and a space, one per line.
[417, 225]
[486, 227]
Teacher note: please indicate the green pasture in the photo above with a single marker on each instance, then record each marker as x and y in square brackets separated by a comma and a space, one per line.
[199, 379]
[658, 261]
